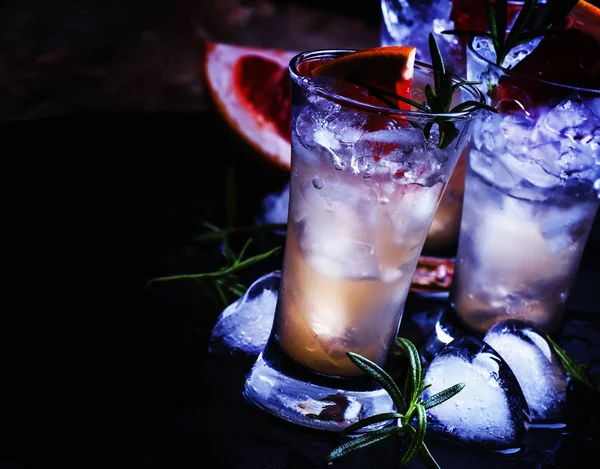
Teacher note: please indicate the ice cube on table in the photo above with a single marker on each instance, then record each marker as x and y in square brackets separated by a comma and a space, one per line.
[490, 411]
[535, 364]
[245, 325]
[275, 207]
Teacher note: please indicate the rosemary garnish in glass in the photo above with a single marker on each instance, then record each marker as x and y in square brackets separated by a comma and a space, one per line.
[439, 98]
[411, 408]
[531, 22]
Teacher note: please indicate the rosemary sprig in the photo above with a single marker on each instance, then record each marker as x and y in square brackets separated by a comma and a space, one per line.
[224, 279]
[531, 22]
[439, 98]
[411, 408]
[577, 371]
[225, 283]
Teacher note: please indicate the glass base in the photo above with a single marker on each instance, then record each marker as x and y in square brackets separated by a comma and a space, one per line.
[312, 405]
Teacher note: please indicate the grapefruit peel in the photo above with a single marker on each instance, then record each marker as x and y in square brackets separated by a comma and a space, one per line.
[366, 68]
[386, 69]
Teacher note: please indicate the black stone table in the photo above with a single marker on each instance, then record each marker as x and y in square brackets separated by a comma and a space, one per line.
[100, 370]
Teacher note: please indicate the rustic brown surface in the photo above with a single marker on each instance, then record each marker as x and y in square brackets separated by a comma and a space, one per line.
[57, 57]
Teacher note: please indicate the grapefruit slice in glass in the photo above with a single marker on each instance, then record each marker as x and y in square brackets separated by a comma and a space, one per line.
[250, 88]
[384, 69]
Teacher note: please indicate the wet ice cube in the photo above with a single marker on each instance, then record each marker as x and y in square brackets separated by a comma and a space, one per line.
[528, 170]
[305, 127]
[342, 257]
[245, 325]
[491, 170]
[571, 118]
[517, 130]
[345, 126]
[535, 364]
[490, 411]
[594, 106]
[573, 161]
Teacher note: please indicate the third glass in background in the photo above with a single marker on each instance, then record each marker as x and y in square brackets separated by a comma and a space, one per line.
[531, 195]
[409, 22]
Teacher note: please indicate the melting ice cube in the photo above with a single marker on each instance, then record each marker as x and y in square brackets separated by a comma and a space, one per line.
[245, 325]
[535, 364]
[490, 410]
[275, 206]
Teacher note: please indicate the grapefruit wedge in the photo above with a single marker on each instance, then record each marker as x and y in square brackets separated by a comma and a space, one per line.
[387, 69]
[250, 88]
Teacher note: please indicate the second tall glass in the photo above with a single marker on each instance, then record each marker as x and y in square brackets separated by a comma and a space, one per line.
[531, 195]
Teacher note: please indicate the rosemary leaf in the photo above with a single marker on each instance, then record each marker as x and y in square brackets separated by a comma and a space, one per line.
[467, 33]
[427, 129]
[424, 452]
[432, 98]
[414, 369]
[442, 396]
[464, 83]
[237, 289]
[240, 265]
[361, 441]
[439, 69]
[491, 16]
[522, 20]
[382, 94]
[577, 372]
[244, 248]
[418, 437]
[378, 418]
[500, 7]
[379, 375]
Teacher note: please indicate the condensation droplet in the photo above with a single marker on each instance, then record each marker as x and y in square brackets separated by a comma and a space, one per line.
[318, 182]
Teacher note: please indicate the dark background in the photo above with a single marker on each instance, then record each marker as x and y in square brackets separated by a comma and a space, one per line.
[112, 158]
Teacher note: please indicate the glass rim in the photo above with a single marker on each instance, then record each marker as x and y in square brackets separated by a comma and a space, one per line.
[522, 76]
[298, 78]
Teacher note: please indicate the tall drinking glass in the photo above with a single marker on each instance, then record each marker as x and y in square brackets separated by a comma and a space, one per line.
[365, 184]
[531, 195]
